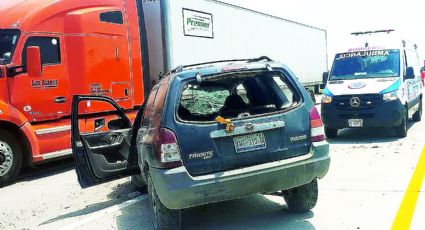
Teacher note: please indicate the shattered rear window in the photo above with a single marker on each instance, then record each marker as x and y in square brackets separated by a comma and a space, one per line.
[203, 100]
[236, 95]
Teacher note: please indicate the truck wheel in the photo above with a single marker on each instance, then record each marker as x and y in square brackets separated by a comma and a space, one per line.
[139, 183]
[401, 130]
[331, 133]
[417, 117]
[163, 218]
[303, 198]
[10, 157]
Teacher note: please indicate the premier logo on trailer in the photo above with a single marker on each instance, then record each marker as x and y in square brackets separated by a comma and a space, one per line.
[198, 24]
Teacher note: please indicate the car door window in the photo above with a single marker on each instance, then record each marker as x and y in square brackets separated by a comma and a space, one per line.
[49, 49]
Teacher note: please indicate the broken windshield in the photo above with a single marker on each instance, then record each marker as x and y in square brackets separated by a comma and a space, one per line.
[366, 64]
[8, 41]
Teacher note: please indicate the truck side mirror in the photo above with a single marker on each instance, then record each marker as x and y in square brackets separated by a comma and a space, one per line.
[325, 77]
[34, 68]
[410, 73]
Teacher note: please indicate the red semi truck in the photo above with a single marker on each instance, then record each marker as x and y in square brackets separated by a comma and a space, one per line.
[50, 50]
[53, 49]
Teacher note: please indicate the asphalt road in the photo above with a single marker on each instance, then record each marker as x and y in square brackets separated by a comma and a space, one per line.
[369, 174]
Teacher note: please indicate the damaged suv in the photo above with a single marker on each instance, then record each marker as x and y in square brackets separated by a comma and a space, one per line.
[208, 133]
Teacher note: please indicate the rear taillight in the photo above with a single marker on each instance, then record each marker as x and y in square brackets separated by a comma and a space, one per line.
[316, 125]
[168, 152]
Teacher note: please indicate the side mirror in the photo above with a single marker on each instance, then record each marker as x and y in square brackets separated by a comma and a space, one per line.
[34, 68]
[410, 73]
[325, 77]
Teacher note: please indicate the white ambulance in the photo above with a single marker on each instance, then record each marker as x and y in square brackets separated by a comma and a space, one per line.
[374, 83]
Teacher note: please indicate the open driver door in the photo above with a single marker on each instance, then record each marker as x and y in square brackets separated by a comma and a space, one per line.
[102, 142]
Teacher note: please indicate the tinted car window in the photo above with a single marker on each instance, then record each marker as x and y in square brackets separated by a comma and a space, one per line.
[49, 49]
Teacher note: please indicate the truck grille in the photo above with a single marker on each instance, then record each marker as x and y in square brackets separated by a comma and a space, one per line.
[357, 102]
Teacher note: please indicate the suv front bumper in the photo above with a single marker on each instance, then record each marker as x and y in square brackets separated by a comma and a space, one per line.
[177, 189]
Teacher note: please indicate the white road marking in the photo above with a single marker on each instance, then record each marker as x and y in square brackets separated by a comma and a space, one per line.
[96, 215]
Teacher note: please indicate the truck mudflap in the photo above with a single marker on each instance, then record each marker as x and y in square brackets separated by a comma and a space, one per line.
[177, 189]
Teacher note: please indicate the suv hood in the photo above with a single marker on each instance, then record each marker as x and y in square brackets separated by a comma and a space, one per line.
[360, 86]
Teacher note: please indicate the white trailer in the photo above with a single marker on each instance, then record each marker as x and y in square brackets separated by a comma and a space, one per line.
[196, 31]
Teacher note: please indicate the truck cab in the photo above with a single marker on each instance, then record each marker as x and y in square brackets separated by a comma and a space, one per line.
[374, 83]
[51, 50]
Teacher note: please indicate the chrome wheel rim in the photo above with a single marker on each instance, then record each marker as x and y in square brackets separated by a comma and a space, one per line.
[6, 158]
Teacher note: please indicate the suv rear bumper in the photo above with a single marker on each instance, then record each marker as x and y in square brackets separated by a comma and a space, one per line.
[385, 115]
[177, 189]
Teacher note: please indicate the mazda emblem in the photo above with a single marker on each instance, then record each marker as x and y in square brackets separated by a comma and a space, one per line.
[249, 127]
[355, 102]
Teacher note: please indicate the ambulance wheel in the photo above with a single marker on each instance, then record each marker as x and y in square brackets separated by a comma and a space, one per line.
[418, 115]
[331, 133]
[401, 130]
[10, 157]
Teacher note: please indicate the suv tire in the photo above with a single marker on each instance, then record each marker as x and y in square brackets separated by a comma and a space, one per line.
[139, 183]
[417, 117]
[10, 157]
[163, 218]
[303, 198]
[401, 130]
[331, 133]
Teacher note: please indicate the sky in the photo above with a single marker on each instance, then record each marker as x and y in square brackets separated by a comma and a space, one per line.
[341, 17]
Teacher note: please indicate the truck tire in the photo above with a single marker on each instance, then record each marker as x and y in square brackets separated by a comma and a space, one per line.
[139, 183]
[331, 133]
[163, 218]
[10, 157]
[303, 198]
[417, 117]
[401, 130]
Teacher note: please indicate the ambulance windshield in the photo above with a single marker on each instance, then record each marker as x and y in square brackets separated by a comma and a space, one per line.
[366, 64]
[8, 40]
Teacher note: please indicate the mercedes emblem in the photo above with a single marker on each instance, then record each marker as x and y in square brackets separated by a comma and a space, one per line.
[355, 102]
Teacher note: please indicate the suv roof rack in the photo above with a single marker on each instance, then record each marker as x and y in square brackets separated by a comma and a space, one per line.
[372, 32]
[251, 60]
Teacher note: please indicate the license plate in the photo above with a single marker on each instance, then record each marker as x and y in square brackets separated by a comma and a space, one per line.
[250, 142]
[355, 123]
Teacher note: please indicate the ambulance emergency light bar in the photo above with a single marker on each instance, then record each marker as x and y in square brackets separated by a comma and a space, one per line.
[372, 32]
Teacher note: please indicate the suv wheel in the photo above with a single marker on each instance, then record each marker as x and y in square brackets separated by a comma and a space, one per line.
[303, 198]
[331, 133]
[163, 218]
[418, 115]
[10, 157]
[401, 130]
[139, 183]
